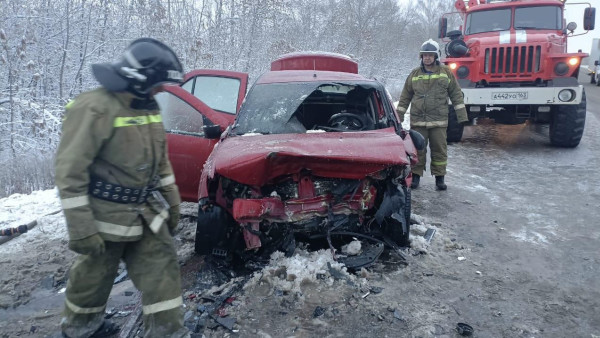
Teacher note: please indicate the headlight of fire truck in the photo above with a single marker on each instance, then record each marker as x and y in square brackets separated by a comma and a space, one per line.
[562, 68]
[462, 72]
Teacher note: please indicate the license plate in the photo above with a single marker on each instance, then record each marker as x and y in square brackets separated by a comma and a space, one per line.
[509, 96]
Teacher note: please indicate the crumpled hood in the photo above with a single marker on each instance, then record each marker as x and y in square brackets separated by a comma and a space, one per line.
[255, 160]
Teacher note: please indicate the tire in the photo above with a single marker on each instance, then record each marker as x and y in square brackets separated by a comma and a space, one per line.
[454, 132]
[568, 121]
[211, 229]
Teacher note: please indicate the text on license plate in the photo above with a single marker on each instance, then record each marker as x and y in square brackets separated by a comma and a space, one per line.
[510, 96]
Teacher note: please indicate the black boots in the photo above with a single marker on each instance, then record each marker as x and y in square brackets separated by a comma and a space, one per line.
[439, 183]
[415, 181]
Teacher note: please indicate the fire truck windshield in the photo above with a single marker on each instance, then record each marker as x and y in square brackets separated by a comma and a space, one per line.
[538, 17]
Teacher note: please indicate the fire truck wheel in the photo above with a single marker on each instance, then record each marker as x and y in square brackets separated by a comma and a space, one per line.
[566, 127]
[454, 132]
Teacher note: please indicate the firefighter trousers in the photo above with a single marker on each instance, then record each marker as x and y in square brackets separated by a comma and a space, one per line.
[152, 266]
[436, 139]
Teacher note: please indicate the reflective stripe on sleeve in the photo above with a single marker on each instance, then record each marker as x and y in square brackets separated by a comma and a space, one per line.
[74, 202]
[459, 106]
[158, 221]
[401, 109]
[119, 230]
[84, 310]
[439, 162]
[167, 180]
[137, 120]
[162, 306]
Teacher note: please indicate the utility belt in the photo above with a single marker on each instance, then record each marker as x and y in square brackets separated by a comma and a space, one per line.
[112, 192]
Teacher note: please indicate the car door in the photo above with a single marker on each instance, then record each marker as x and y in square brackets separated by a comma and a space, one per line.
[207, 98]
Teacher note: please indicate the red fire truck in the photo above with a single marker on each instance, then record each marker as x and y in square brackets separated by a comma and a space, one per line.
[511, 61]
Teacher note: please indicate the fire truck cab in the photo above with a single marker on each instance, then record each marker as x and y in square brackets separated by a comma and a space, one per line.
[511, 61]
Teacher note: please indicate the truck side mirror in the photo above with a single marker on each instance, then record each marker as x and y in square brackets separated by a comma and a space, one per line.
[571, 26]
[589, 18]
[212, 132]
[596, 63]
[443, 26]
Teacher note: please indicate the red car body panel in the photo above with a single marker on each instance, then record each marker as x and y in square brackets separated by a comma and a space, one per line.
[308, 76]
[188, 153]
[316, 61]
[256, 160]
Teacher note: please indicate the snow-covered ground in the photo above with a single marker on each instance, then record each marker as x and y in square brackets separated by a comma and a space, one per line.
[19, 209]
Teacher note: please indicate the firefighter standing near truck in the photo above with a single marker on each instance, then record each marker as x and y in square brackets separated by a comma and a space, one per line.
[427, 89]
[118, 193]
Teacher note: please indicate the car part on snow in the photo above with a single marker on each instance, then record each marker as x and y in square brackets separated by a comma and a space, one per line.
[29, 226]
[464, 329]
[366, 258]
[212, 311]
[21, 229]
[429, 235]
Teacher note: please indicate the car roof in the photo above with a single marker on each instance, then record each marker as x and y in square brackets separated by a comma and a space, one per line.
[283, 76]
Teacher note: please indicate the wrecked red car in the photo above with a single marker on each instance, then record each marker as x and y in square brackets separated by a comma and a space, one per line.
[316, 151]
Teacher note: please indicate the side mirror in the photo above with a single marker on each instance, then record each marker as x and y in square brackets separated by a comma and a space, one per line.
[596, 63]
[589, 18]
[417, 138]
[571, 26]
[212, 131]
[443, 27]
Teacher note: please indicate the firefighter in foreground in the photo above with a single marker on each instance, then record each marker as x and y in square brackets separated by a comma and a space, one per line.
[427, 89]
[119, 196]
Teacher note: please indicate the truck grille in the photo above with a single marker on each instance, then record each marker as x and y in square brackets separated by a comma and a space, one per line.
[513, 61]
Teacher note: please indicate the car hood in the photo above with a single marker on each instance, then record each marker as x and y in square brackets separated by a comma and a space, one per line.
[256, 160]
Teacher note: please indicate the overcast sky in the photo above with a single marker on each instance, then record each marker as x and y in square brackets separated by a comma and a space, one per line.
[574, 13]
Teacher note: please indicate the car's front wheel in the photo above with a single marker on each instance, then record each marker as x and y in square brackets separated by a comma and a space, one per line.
[211, 228]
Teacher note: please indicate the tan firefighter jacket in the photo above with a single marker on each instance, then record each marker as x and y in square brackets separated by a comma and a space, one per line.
[428, 95]
[103, 137]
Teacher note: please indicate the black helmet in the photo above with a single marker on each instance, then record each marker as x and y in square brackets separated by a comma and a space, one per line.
[146, 63]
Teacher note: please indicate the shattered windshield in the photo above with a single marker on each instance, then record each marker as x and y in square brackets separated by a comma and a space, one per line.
[300, 107]
[539, 17]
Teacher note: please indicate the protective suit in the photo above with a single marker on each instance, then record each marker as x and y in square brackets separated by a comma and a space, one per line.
[120, 201]
[427, 93]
